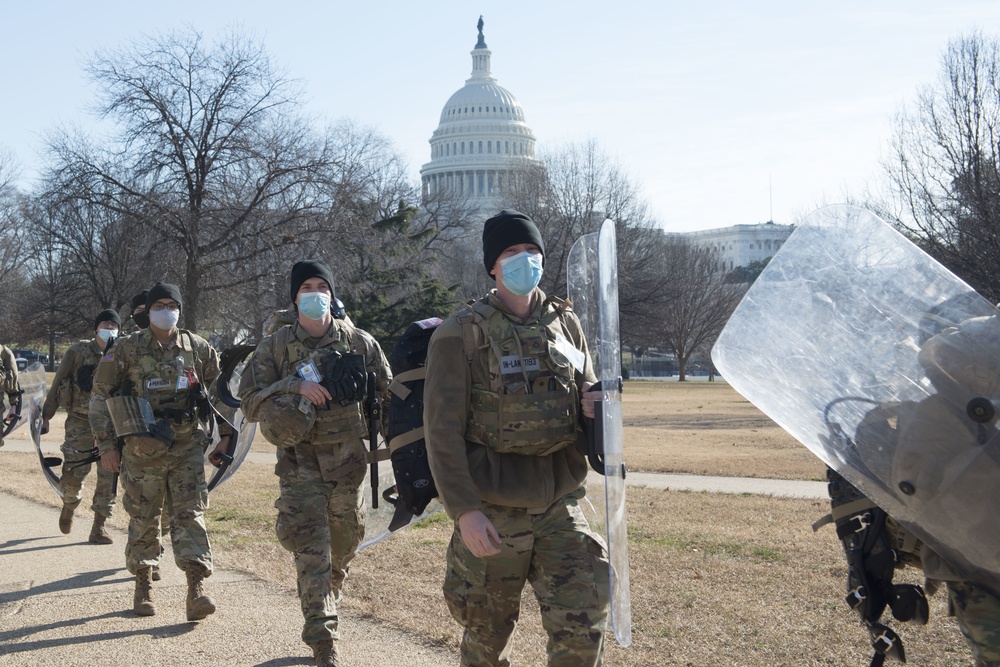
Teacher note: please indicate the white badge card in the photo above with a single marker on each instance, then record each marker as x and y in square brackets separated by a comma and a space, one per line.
[307, 371]
[573, 355]
[512, 364]
[182, 383]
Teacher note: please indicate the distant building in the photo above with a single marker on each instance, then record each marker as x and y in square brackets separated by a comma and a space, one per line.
[481, 140]
[740, 245]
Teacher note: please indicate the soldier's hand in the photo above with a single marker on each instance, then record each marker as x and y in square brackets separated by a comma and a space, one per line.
[11, 414]
[314, 392]
[111, 461]
[45, 426]
[587, 400]
[478, 534]
[218, 454]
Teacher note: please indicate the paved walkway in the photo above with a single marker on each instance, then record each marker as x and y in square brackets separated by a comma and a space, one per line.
[66, 602]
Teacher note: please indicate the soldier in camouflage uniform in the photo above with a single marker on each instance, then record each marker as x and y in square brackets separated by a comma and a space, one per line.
[138, 318]
[318, 424]
[171, 369]
[507, 378]
[71, 389]
[8, 383]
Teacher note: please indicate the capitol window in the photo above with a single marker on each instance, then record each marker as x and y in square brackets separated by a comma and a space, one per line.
[463, 148]
[480, 147]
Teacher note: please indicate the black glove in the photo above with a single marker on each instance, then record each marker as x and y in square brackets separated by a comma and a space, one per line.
[344, 377]
[85, 377]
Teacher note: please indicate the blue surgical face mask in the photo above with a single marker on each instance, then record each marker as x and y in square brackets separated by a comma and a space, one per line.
[106, 334]
[314, 304]
[522, 272]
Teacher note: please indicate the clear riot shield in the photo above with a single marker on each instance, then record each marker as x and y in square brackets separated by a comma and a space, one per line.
[33, 384]
[592, 285]
[243, 435]
[377, 519]
[887, 367]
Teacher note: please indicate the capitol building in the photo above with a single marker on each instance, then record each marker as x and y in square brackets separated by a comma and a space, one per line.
[483, 142]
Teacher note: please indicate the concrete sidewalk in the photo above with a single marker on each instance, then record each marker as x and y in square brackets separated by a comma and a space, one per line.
[66, 602]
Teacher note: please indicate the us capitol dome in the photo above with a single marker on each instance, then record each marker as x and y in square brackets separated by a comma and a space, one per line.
[481, 140]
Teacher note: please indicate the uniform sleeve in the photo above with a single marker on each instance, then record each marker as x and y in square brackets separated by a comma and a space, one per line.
[110, 374]
[447, 390]
[261, 379]
[9, 363]
[376, 362]
[66, 370]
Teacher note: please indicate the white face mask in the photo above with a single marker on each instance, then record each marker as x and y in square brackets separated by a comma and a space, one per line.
[106, 334]
[165, 319]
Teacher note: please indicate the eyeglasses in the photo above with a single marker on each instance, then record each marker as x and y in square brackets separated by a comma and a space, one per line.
[173, 305]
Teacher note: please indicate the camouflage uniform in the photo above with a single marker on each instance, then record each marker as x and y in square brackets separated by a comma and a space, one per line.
[320, 510]
[71, 389]
[140, 366]
[8, 379]
[500, 419]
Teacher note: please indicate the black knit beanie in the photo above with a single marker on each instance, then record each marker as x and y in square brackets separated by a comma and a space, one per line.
[107, 316]
[139, 300]
[163, 291]
[310, 268]
[507, 228]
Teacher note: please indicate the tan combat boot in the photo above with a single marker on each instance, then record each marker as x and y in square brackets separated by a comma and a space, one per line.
[156, 573]
[65, 520]
[199, 605]
[97, 533]
[142, 603]
[325, 653]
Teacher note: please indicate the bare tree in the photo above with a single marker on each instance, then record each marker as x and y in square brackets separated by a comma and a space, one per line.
[691, 314]
[210, 152]
[13, 249]
[944, 186]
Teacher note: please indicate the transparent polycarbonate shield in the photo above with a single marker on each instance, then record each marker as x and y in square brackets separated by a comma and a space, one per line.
[377, 519]
[244, 434]
[592, 285]
[887, 367]
[32, 383]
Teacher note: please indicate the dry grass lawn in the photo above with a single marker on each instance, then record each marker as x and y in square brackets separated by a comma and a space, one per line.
[716, 579]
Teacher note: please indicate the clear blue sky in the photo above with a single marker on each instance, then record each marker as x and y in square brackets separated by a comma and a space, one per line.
[716, 109]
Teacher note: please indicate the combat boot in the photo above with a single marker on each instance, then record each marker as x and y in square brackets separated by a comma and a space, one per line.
[199, 605]
[66, 520]
[97, 533]
[156, 573]
[142, 603]
[325, 653]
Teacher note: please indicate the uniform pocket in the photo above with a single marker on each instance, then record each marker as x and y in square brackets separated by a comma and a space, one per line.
[465, 584]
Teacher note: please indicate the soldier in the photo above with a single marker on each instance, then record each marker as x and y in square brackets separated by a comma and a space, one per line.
[139, 319]
[506, 380]
[9, 384]
[305, 386]
[166, 371]
[71, 389]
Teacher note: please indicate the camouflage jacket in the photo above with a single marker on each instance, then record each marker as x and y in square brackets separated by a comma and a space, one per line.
[166, 376]
[466, 472]
[272, 371]
[8, 373]
[74, 380]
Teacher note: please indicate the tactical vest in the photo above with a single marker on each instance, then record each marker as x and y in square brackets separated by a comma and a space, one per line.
[74, 390]
[170, 385]
[335, 423]
[531, 403]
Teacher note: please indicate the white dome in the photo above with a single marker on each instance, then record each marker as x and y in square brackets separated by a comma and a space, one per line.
[481, 136]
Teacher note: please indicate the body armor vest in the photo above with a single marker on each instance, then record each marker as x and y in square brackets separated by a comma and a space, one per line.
[169, 385]
[531, 402]
[74, 390]
[335, 423]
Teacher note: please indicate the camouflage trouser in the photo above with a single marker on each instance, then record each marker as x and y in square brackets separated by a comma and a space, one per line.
[978, 614]
[322, 523]
[78, 447]
[567, 567]
[152, 474]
